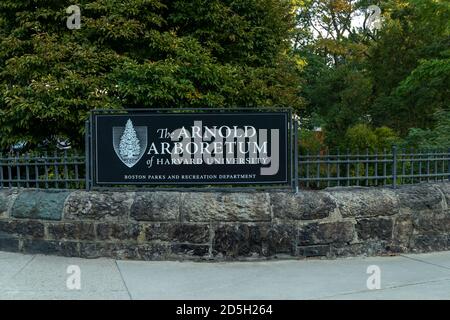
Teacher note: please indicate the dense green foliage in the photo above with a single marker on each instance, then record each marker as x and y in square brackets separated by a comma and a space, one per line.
[362, 136]
[436, 138]
[142, 54]
[365, 87]
[359, 80]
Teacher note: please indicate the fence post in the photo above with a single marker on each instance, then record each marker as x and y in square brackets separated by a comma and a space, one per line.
[296, 155]
[448, 164]
[292, 153]
[394, 167]
[86, 155]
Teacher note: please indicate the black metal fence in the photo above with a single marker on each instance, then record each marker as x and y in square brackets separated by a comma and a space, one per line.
[389, 167]
[67, 170]
[60, 170]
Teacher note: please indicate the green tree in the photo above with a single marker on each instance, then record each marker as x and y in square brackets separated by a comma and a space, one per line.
[395, 77]
[362, 136]
[342, 96]
[337, 87]
[386, 138]
[142, 54]
[409, 64]
[437, 137]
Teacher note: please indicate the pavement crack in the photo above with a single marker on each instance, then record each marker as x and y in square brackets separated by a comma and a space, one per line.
[23, 267]
[123, 280]
[384, 289]
[426, 262]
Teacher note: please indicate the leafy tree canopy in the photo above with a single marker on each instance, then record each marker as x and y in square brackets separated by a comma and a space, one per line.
[395, 77]
[139, 53]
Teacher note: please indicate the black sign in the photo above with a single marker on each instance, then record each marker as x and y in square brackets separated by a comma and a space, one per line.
[190, 148]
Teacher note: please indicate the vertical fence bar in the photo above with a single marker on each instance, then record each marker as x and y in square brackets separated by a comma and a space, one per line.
[367, 167]
[55, 168]
[75, 159]
[443, 166]
[348, 167]
[1, 171]
[299, 167]
[402, 161]
[376, 166]
[8, 161]
[36, 171]
[328, 168]
[412, 160]
[422, 165]
[448, 164]
[435, 157]
[307, 169]
[318, 169]
[66, 171]
[46, 169]
[27, 170]
[394, 166]
[357, 167]
[16, 160]
[420, 153]
[338, 160]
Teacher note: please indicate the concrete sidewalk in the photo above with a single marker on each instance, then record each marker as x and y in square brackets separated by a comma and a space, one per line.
[422, 276]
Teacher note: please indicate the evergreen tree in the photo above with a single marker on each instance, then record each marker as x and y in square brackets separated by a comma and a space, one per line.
[129, 145]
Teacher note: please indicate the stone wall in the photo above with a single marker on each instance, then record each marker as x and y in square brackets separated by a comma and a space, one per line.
[222, 226]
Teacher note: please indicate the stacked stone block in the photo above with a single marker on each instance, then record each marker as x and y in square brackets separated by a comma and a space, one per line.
[226, 226]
